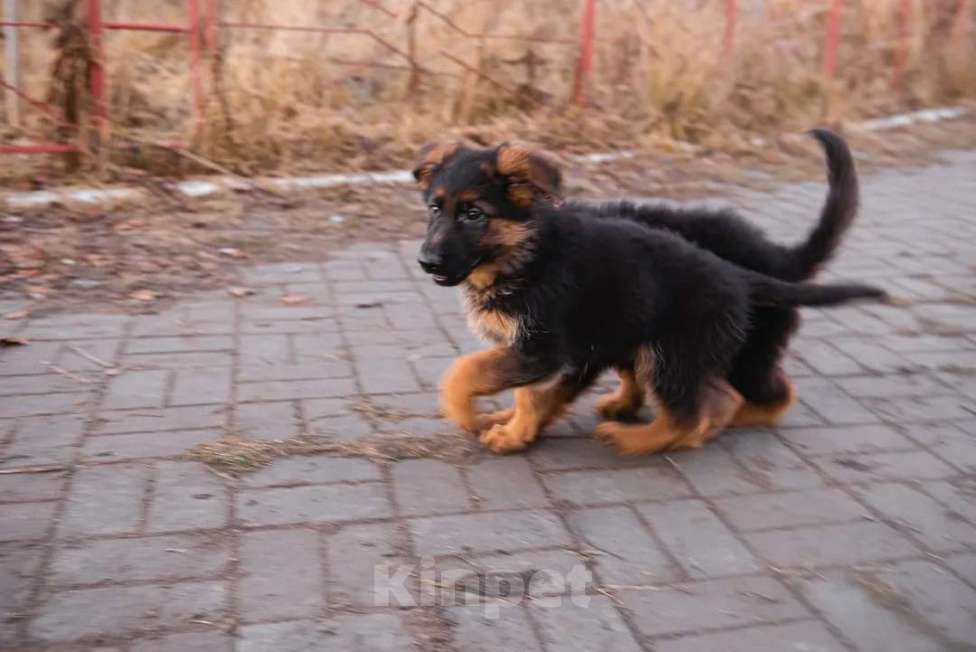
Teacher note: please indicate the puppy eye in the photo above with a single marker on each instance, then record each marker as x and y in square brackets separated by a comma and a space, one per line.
[434, 210]
[473, 213]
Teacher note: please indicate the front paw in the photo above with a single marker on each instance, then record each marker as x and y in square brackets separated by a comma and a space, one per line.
[487, 421]
[501, 439]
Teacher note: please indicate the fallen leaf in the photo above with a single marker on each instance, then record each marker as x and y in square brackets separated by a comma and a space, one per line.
[17, 314]
[240, 292]
[231, 251]
[143, 295]
[13, 341]
[295, 299]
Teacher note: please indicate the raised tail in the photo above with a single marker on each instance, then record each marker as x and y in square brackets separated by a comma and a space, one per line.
[767, 291]
[838, 212]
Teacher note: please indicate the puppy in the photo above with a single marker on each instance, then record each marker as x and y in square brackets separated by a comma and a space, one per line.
[565, 296]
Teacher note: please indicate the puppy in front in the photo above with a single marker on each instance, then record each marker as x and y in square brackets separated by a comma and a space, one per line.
[565, 296]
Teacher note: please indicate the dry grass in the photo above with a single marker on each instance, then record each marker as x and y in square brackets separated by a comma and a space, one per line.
[291, 101]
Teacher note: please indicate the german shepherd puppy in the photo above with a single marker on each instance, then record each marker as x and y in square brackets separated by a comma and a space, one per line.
[756, 372]
[565, 296]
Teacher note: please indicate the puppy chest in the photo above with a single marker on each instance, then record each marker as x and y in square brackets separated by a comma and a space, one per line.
[493, 325]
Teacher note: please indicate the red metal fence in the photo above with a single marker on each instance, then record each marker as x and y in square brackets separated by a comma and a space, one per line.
[203, 24]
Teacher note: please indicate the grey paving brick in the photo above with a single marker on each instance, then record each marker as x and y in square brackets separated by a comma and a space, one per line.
[852, 439]
[346, 427]
[625, 553]
[418, 426]
[891, 386]
[701, 543]
[912, 465]
[275, 273]
[136, 389]
[312, 469]
[265, 349]
[110, 448]
[431, 370]
[115, 611]
[200, 387]
[537, 572]
[179, 344]
[23, 521]
[562, 454]
[831, 403]
[281, 575]
[41, 441]
[792, 509]
[151, 420]
[824, 358]
[189, 642]
[964, 565]
[76, 327]
[823, 545]
[478, 630]
[428, 487]
[18, 570]
[11, 386]
[489, 532]
[35, 486]
[317, 348]
[956, 494]
[138, 559]
[507, 482]
[386, 376]
[105, 500]
[186, 496]
[583, 623]
[712, 604]
[303, 370]
[600, 487]
[922, 408]
[268, 421]
[36, 404]
[373, 632]
[911, 511]
[770, 462]
[356, 555]
[285, 390]
[179, 361]
[712, 471]
[313, 504]
[809, 636]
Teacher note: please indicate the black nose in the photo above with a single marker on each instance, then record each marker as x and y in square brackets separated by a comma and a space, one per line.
[430, 263]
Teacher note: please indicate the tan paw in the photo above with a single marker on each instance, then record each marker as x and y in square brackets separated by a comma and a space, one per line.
[630, 439]
[486, 421]
[500, 439]
[612, 406]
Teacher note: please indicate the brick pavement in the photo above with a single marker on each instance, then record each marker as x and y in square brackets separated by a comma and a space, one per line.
[852, 526]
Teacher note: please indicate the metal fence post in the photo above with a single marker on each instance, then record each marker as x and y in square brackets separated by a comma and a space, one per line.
[96, 72]
[584, 66]
[833, 39]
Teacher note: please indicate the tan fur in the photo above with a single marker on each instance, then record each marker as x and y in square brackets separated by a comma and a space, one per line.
[493, 325]
[752, 414]
[432, 157]
[535, 407]
[530, 173]
[626, 400]
[472, 375]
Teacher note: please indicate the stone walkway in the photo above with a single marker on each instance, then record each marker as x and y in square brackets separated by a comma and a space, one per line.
[852, 526]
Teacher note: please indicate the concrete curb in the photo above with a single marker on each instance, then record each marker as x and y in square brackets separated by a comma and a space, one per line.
[215, 186]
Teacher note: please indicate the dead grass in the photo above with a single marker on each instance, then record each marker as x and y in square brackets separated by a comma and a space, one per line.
[235, 455]
[294, 101]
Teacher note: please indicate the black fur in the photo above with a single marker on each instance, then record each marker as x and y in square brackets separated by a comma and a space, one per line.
[589, 294]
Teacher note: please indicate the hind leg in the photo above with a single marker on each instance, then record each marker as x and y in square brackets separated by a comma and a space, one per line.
[626, 399]
[757, 373]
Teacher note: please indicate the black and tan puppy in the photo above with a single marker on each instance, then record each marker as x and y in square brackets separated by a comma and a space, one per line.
[566, 296]
[756, 371]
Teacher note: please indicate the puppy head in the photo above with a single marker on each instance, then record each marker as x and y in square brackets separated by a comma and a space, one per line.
[479, 204]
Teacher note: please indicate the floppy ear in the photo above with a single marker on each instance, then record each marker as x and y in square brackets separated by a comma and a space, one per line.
[531, 174]
[432, 157]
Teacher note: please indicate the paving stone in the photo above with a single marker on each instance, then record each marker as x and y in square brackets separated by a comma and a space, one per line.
[199, 387]
[260, 350]
[431, 370]
[186, 496]
[281, 575]
[852, 439]
[286, 390]
[22, 521]
[910, 510]
[312, 469]
[179, 344]
[313, 504]
[830, 544]
[37, 404]
[538, 572]
[600, 487]
[115, 611]
[770, 462]
[563, 455]
[701, 543]
[418, 427]
[488, 532]
[824, 358]
[356, 555]
[76, 327]
[891, 386]
[179, 361]
[18, 570]
[268, 421]
[625, 553]
[110, 448]
[303, 370]
[42, 384]
[914, 465]
[712, 471]
[33, 486]
[956, 494]
[583, 623]
[831, 403]
[192, 417]
[386, 376]
[189, 642]
[318, 348]
[345, 427]
[428, 487]
[964, 565]
[506, 483]
[809, 636]
[479, 630]
[139, 559]
[782, 510]
[712, 604]
[372, 632]
[136, 389]
[105, 500]
[40, 441]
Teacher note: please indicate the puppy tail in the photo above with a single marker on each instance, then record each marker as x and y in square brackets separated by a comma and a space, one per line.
[839, 209]
[768, 291]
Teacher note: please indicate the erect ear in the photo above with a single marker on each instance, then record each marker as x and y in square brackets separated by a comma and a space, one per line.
[432, 157]
[530, 174]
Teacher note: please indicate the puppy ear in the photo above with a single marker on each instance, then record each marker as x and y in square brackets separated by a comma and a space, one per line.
[531, 174]
[432, 157]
